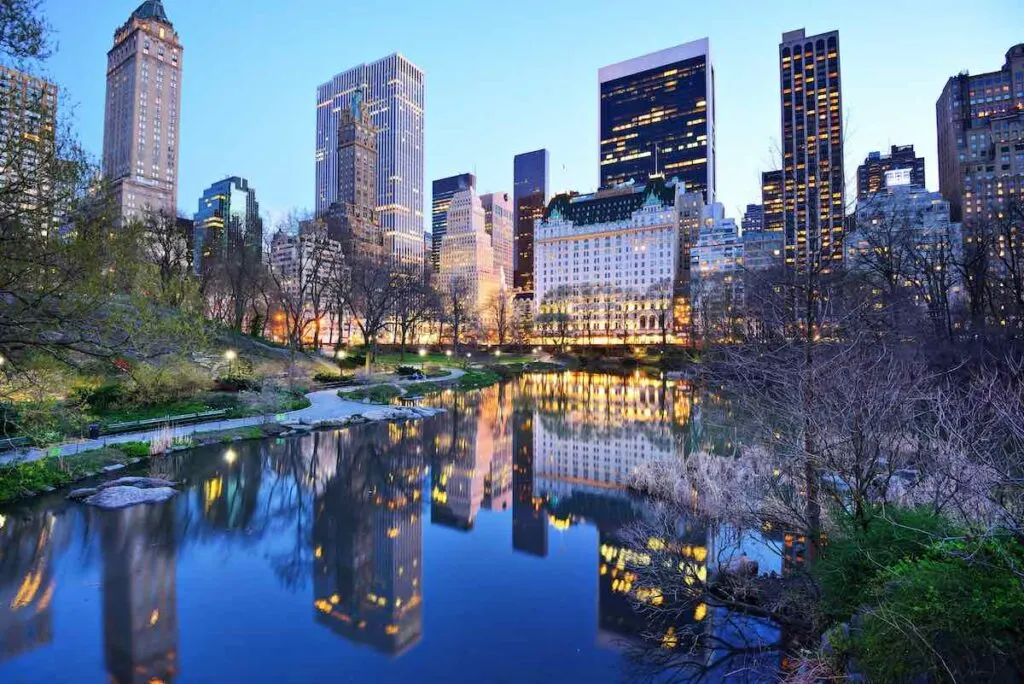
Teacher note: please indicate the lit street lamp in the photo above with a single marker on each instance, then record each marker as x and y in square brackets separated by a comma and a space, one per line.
[423, 352]
[230, 355]
[230, 456]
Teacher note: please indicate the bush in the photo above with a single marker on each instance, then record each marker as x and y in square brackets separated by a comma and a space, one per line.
[332, 377]
[406, 371]
[381, 394]
[237, 384]
[134, 449]
[954, 614]
[107, 397]
[152, 385]
[855, 556]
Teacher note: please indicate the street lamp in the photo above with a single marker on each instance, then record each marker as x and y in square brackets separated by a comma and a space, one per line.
[230, 355]
[342, 354]
[497, 353]
[448, 353]
[230, 456]
[423, 352]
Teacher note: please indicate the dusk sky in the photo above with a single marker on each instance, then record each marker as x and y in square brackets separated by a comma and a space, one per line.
[504, 78]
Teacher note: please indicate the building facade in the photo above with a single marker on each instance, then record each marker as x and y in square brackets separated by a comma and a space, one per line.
[762, 250]
[813, 184]
[442, 191]
[143, 111]
[657, 116]
[468, 259]
[608, 266]
[393, 94]
[753, 217]
[716, 271]
[352, 217]
[771, 201]
[980, 123]
[28, 124]
[872, 174]
[530, 195]
[228, 218]
[498, 223]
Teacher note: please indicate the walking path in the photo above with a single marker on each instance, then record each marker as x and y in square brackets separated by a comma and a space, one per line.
[325, 405]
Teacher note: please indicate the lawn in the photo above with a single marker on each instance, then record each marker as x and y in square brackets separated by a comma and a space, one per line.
[20, 479]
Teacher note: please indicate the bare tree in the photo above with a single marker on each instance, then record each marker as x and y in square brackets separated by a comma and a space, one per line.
[301, 258]
[416, 304]
[166, 244]
[369, 288]
[500, 313]
[455, 300]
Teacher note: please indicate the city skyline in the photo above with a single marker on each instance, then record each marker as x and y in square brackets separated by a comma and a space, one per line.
[566, 125]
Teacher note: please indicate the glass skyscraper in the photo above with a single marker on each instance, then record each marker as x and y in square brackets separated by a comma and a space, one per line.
[530, 195]
[442, 192]
[393, 91]
[658, 116]
[228, 218]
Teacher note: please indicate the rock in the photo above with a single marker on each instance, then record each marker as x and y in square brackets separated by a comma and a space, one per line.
[49, 490]
[79, 494]
[138, 482]
[114, 498]
[112, 468]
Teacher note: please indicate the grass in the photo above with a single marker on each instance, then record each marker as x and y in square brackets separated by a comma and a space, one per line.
[476, 379]
[19, 480]
[418, 389]
[378, 394]
[177, 408]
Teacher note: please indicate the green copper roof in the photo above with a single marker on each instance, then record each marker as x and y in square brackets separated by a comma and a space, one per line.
[152, 9]
[603, 207]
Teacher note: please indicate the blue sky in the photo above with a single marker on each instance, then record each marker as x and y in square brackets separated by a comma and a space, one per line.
[504, 78]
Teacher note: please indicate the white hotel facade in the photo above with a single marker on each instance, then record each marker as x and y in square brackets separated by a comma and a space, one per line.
[613, 267]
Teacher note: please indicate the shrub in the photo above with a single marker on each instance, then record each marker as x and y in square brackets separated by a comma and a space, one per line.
[106, 397]
[855, 555]
[406, 371]
[134, 449]
[151, 385]
[954, 614]
[331, 377]
[237, 384]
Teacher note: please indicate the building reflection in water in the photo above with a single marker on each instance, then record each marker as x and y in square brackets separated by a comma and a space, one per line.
[368, 537]
[140, 610]
[28, 548]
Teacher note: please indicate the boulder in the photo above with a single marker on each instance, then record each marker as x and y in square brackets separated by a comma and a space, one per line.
[80, 494]
[138, 482]
[114, 498]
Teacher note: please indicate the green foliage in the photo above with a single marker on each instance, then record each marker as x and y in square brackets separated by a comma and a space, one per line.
[47, 421]
[102, 399]
[406, 371]
[477, 379]
[151, 385]
[955, 613]
[855, 556]
[237, 383]
[323, 376]
[133, 449]
[176, 408]
[417, 389]
[19, 480]
[380, 394]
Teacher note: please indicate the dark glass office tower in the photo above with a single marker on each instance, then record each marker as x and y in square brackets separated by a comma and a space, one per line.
[658, 116]
[753, 217]
[228, 218]
[771, 200]
[531, 197]
[442, 192]
[813, 185]
[872, 175]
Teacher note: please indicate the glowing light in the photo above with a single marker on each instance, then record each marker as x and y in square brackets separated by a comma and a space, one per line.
[497, 353]
[423, 352]
[342, 354]
[3, 521]
[230, 355]
[154, 618]
[230, 456]
[700, 612]
[448, 353]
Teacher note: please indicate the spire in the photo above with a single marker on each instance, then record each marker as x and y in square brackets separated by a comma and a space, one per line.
[152, 9]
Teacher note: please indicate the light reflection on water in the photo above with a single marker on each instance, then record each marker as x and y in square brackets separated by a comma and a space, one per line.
[480, 545]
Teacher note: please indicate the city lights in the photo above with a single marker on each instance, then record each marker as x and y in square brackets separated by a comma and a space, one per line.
[230, 355]
[230, 456]
[423, 352]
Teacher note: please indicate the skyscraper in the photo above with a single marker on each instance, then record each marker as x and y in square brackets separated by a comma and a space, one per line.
[812, 149]
[771, 201]
[352, 217]
[468, 258]
[980, 122]
[658, 116]
[228, 218]
[28, 107]
[393, 94]
[872, 175]
[443, 189]
[530, 194]
[143, 107]
[498, 224]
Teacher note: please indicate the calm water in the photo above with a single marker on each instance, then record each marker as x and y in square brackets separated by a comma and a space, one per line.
[477, 546]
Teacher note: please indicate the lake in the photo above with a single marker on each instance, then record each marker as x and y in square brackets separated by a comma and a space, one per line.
[481, 545]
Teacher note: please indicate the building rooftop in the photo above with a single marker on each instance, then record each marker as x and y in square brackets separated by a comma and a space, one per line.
[152, 9]
[611, 204]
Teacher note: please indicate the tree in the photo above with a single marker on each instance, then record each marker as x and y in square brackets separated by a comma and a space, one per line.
[500, 310]
[24, 33]
[455, 300]
[369, 288]
[301, 258]
[166, 245]
[416, 304]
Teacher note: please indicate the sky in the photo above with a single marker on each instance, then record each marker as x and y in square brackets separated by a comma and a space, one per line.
[505, 78]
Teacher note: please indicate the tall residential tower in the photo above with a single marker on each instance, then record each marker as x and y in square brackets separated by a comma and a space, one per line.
[392, 90]
[143, 109]
[443, 189]
[530, 194]
[813, 195]
[658, 117]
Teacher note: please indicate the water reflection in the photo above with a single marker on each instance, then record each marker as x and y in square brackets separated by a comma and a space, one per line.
[337, 517]
[140, 605]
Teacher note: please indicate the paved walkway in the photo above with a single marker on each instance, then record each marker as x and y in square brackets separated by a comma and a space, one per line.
[324, 405]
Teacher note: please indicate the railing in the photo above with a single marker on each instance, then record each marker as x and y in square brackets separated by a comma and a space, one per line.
[119, 428]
